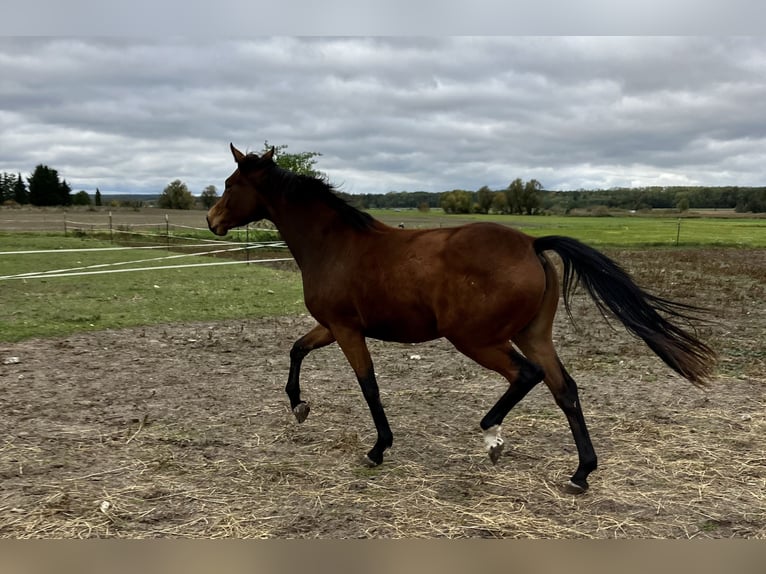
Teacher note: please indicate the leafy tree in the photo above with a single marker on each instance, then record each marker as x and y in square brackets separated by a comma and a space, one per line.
[456, 201]
[514, 194]
[176, 196]
[499, 202]
[530, 198]
[209, 196]
[484, 199]
[46, 189]
[81, 198]
[523, 198]
[98, 198]
[301, 163]
[752, 200]
[682, 202]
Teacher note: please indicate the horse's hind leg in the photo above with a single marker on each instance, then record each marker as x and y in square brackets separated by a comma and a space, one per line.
[536, 342]
[521, 374]
[539, 348]
[527, 375]
[318, 337]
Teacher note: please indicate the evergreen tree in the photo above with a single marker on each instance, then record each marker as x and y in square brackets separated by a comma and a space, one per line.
[64, 194]
[45, 187]
[20, 193]
[6, 187]
[98, 198]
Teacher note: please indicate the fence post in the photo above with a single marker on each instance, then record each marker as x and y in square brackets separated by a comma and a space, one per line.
[678, 232]
[111, 232]
[167, 231]
[65, 226]
[247, 243]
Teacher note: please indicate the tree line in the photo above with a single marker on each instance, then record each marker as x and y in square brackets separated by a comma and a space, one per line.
[518, 198]
[530, 198]
[740, 199]
[44, 187]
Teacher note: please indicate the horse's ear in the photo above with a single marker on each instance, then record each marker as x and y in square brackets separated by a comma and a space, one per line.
[269, 155]
[238, 155]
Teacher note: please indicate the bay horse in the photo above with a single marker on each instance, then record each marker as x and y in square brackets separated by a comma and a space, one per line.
[489, 289]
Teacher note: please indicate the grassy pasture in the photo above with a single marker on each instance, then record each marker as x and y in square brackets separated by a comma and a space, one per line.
[615, 231]
[64, 305]
[703, 229]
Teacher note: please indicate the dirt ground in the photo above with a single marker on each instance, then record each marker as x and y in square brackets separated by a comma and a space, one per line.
[184, 431]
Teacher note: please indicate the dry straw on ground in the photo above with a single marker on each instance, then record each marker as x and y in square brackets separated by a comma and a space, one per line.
[184, 431]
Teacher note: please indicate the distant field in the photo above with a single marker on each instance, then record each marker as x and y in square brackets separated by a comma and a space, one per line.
[614, 231]
[618, 231]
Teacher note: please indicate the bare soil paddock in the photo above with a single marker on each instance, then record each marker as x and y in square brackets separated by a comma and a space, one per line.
[184, 431]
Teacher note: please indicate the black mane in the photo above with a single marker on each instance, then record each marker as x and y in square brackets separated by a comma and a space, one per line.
[304, 188]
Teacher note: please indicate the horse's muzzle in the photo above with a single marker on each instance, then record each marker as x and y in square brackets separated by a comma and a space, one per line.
[215, 229]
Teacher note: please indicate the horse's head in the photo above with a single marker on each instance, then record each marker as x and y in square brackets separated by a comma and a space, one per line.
[241, 203]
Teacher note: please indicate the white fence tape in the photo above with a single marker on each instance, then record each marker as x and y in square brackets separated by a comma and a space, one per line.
[130, 228]
[81, 273]
[213, 243]
[117, 264]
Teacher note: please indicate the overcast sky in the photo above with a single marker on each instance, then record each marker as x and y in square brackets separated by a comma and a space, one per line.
[390, 113]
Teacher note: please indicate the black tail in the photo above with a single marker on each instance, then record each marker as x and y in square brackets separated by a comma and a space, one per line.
[615, 293]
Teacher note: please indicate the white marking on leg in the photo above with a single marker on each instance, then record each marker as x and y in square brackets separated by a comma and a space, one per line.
[492, 438]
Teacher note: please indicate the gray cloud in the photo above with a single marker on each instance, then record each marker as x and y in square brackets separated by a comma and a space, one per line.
[432, 113]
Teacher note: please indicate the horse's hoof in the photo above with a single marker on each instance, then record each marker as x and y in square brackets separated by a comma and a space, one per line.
[495, 452]
[301, 411]
[574, 488]
[369, 463]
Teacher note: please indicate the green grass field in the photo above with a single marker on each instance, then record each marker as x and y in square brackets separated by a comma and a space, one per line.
[615, 231]
[41, 307]
[63, 305]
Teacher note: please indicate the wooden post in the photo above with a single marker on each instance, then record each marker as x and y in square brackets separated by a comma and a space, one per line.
[111, 232]
[678, 232]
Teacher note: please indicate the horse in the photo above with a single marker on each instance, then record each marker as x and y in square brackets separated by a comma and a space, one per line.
[490, 290]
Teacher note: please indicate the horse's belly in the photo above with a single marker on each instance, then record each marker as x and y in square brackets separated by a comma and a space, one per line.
[402, 327]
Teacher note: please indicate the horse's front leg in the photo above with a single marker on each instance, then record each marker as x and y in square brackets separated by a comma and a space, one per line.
[318, 337]
[353, 345]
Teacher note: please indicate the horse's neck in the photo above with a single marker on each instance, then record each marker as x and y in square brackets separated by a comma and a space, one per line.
[313, 231]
